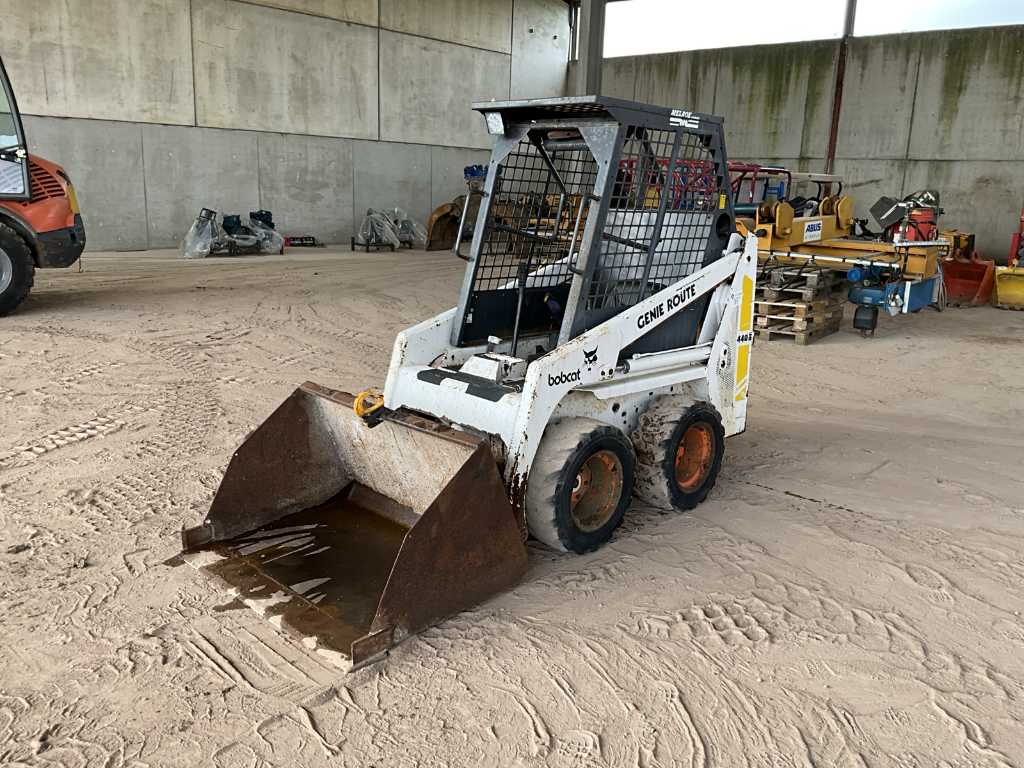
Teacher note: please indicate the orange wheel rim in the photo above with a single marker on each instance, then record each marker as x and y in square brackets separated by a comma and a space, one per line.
[597, 490]
[694, 456]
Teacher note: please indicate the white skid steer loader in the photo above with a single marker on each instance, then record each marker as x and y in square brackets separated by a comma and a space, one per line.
[600, 347]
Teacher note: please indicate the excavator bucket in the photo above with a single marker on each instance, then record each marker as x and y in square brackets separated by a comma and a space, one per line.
[1010, 287]
[443, 226]
[354, 533]
[968, 282]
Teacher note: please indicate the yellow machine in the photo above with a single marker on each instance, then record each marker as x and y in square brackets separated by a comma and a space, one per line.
[899, 271]
[1009, 289]
[824, 240]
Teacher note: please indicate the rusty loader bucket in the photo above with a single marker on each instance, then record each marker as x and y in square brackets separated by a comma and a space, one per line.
[968, 282]
[353, 536]
[443, 227]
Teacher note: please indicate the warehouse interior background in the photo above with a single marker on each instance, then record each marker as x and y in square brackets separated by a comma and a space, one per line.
[319, 109]
[644, 473]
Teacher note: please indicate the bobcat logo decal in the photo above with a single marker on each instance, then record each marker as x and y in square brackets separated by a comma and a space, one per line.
[590, 357]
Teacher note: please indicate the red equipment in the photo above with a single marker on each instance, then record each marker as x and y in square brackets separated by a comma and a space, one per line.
[969, 278]
[922, 224]
[40, 225]
[1016, 256]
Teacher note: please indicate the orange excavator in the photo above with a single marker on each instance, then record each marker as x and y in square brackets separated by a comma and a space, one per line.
[40, 223]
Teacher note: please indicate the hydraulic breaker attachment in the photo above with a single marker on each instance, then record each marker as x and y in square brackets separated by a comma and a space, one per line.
[355, 533]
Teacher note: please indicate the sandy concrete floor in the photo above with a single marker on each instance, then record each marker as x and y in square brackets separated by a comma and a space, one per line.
[849, 595]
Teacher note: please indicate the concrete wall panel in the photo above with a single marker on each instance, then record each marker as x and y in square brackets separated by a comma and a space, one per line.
[480, 23]
[264, 69]
[358, 11]
[878, 96]
[684, 80]
[540, 48]
[776, 99]
[618, 76]
[307, 182]
[192, 168]
[979, 196]
[867, 180]
[389, 175]
[969, 95]
[105, 59]
[300, 78]
[938, 109]
[426, 88]
[446, 171]
[104, 160]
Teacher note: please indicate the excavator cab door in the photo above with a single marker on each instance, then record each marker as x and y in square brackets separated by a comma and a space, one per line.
[14, 182]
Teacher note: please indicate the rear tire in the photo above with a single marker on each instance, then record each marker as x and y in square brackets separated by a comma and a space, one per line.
[580, 484]
[679, 448]
[17, 270]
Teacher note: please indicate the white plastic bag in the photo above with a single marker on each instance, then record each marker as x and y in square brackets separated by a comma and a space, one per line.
[410, 232]
[271, 240]
[200, 239]
[378, 229]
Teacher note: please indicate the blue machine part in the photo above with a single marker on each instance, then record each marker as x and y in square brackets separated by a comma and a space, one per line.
[922, 293]
[873, 296]
[899, 296]
[778, 190]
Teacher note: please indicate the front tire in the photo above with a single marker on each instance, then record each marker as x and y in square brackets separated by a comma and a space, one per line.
[580, 484]
[679, 448]
[17, 270]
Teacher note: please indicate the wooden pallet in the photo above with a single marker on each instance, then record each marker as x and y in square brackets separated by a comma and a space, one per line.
[803, 293]
[791, 284]
[809, 278]
[801, 305]
[805, 323]
[783, 330]
[764, 308]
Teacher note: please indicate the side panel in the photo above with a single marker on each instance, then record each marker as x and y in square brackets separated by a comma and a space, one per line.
[418, 345]
[729, 365]
[592, 357]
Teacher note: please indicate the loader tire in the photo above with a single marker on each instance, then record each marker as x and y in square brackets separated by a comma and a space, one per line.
[580, 484]
[17, 270]
[679, 446]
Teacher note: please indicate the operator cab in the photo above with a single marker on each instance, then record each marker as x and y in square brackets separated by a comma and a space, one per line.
[14, 178]
[591, 204]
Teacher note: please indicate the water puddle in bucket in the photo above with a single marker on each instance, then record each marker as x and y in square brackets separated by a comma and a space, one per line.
[322, 570]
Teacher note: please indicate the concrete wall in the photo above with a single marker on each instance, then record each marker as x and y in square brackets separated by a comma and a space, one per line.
[934, 109]
[313, 109]
[268, 70]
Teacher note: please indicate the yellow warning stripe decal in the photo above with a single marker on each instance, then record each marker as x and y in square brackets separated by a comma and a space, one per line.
[747, 305]
[746, 325]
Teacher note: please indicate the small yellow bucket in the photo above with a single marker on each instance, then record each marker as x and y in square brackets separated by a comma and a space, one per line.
[1009, 289]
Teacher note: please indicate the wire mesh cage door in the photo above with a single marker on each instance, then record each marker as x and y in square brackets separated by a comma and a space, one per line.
[539, 196]
[668, 213]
